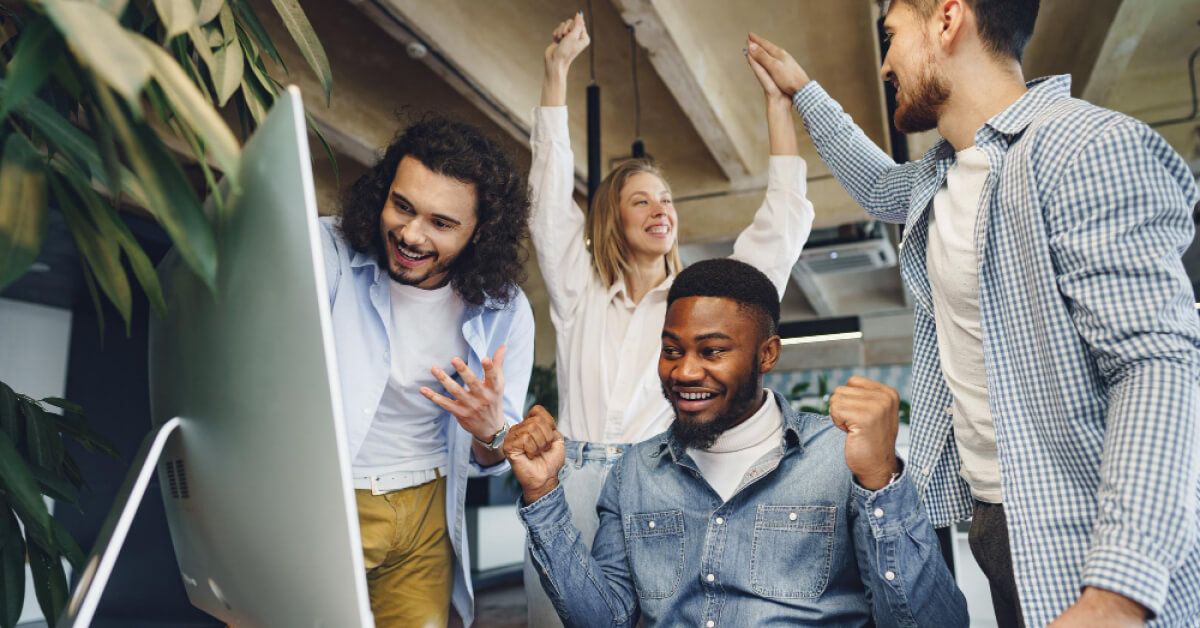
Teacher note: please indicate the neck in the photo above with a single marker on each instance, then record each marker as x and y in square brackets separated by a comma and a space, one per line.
[978, 94]
[645, 274]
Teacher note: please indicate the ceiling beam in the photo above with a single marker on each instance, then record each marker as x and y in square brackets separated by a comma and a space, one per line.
[1123, 38]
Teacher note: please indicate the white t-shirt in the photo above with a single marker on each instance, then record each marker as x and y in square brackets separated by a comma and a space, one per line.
[408, 432]
[724, 465]
[953, 264]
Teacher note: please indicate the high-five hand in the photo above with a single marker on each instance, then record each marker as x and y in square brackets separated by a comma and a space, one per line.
[787, 74]
[479, 407]
[536, 452]
[869, 413]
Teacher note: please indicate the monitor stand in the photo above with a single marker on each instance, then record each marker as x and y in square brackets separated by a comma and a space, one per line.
[94, 577]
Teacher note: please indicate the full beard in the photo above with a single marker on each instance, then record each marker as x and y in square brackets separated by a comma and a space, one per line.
[695, 434]
[924, 102]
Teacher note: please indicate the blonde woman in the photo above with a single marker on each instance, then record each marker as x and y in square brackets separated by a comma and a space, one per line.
[608, 274]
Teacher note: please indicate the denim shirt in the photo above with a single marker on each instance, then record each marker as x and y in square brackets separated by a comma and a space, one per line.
[798, 543]
[360, 305]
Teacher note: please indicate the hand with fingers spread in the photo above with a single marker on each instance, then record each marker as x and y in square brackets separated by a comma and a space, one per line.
[869, 413]
[478, 405]
[784, 71]
[536, 452]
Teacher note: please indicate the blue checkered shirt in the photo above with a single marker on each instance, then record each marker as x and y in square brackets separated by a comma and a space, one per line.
[1091, 342]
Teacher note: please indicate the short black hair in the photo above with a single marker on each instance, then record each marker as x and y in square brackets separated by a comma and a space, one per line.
[492, 265]
[728, 278]
[1005, 26]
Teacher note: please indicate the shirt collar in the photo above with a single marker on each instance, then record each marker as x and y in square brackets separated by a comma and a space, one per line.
[796, 426]
[1042, 93]
[617, 289]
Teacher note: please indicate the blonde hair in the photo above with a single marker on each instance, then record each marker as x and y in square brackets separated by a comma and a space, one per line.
[606, 238]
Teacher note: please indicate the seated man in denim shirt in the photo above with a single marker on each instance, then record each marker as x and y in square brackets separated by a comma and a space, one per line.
[744, 513]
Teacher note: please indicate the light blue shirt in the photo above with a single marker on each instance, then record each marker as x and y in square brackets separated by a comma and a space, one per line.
[360, 302]
[1091, 342]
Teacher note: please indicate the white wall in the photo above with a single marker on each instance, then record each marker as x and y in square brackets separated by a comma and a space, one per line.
[34, 341]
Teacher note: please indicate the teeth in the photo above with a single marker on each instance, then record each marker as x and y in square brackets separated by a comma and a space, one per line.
[659, 229]
[695, 396]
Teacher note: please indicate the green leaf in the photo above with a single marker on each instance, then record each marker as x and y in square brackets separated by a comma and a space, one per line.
[55, 487]
[103, 255]
[90, 282]
[63, 404]
[37, 53]
[312, 125]
[99, 42]
[10, 416]
[22, 490]
[228, 62]
[70, 141]
[12, 567]
[42, 441]
[191, 106]
[249, 22]
[170, 196]
[302, 32]
[22, 208]
[176, 15]
[75, 426]
[208, 9]
[49, 579]
[66, 545]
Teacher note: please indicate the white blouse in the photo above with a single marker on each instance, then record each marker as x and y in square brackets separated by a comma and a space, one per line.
[607, 347]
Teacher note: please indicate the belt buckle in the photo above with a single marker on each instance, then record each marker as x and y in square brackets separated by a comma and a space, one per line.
[375, 490]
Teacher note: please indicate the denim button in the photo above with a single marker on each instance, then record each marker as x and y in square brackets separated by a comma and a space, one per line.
[889, 575]
[710, 623]
[878, 513]
[792, 517]
[710, 577]
[720, 520]
[651, 525]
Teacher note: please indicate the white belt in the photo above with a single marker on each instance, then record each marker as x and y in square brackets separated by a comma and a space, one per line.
[389, 482]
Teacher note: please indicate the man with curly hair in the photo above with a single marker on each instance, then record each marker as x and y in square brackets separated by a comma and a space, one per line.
[423, 270]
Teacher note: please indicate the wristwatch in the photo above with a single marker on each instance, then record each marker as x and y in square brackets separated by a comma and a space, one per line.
[497, 440]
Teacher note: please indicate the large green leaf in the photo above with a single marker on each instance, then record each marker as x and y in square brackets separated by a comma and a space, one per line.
[22, 208]
[176, 15]
[102, 254]
[99, 42]
[228, 60]
[11, 422]
[74, 425]
[191, 106]
[248, 21]
[56, 487]
[22, 490]
[70, 141]
[37, 52]
[49, 579]
[63, 404]
[12, 567]
[170, 197]
[66, 545]
[302, 31]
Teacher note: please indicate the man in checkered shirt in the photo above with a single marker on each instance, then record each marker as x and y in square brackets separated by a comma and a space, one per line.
[1057, 350]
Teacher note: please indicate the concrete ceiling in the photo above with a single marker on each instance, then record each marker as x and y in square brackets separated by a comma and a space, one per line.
[702, 111]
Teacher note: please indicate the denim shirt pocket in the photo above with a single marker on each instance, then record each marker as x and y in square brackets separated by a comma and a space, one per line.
[792, 551]
[654, 546]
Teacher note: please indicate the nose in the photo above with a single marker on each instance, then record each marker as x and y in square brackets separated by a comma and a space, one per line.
[413, 234]
[688, 370]
[885, 71]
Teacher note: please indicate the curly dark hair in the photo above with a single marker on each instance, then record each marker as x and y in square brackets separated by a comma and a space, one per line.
[492, 264]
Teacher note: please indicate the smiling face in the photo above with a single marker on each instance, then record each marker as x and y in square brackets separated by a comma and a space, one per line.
[911, 67]
[426, 222]
[647, 216]
[713, 356]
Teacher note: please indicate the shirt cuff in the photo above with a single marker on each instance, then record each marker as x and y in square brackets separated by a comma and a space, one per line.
[1135, 575]
[544, 517]
[786, 172]
[550, 124]
[889, 508]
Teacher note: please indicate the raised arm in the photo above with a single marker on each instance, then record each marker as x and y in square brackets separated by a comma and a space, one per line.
[556, 224]
[876, 182]
[587, 588]
[773, 241]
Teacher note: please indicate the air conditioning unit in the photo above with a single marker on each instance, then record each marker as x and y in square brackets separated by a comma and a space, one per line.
[832, 259]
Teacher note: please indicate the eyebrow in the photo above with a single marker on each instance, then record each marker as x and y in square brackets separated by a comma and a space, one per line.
[714, 335]
[400, 198]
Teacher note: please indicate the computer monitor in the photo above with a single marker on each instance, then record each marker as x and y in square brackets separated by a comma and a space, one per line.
[256, 475]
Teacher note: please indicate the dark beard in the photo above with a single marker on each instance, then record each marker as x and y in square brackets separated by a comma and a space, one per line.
[702, 435]
[924, 105]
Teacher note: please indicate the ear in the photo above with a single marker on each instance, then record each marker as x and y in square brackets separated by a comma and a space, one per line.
[768, 354]
[951, 18]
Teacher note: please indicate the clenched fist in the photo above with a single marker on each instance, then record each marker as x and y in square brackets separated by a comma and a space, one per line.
[536, 452]
[869, 413]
